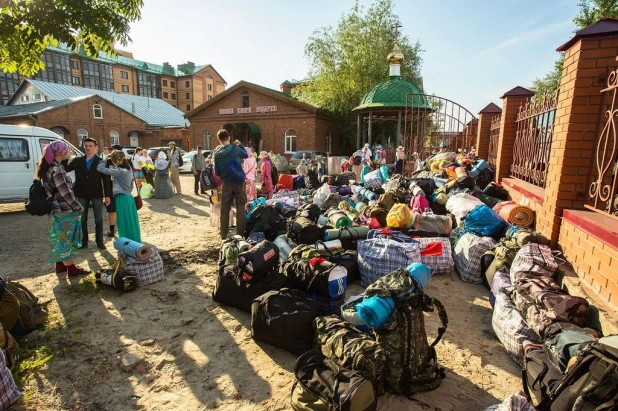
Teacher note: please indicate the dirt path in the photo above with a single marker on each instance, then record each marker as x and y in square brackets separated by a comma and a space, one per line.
[202, 356]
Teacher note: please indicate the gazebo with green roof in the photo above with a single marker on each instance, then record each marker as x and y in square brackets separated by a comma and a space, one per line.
[385, 102]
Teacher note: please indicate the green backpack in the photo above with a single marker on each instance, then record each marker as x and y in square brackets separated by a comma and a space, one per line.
[411, 362]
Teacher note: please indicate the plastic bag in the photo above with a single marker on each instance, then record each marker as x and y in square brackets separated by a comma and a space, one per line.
[147, 191]
[484, 222]
[321, 195]
[399, 217]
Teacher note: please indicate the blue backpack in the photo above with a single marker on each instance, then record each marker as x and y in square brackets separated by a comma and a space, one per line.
[237, 173]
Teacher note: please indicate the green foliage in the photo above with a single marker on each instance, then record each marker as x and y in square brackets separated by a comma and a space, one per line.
[590, 11]
[348, 60]
[27, 27]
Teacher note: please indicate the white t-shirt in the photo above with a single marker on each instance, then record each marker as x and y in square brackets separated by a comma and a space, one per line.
[137, 159]
[366, 155]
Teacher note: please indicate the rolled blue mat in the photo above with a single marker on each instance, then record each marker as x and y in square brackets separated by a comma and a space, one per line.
[375, 311]
[132, 248]
[370, 195]
[421, 274]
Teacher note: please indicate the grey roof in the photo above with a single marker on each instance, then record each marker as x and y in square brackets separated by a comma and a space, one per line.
[36, 108]
[153, 111]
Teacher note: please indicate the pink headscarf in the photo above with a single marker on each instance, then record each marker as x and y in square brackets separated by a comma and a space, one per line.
[53, 149]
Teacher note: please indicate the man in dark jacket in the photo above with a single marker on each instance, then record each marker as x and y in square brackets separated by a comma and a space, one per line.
[90, 187]
[224, 155]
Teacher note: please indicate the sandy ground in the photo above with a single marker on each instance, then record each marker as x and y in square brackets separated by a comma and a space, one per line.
[191, 352]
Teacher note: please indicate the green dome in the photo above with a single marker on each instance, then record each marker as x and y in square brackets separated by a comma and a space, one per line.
[392, 93]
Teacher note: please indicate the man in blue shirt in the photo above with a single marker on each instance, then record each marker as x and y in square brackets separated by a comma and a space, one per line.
[224, 155]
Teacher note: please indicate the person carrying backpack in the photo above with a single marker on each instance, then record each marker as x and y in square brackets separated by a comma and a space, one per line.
[65, 229]
[227, 158]
[266, 175]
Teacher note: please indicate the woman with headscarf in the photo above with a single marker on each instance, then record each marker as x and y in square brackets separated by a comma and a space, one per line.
[249, 166]
[65, 228]
[400, 156]
[302, 167]
[162, 185]
[265, 175]
[365, 169]
[128, 221]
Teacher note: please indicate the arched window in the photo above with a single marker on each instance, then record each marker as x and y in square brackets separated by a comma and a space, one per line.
[59, 130]
[114, 137]
[97, 111]
[290, 140]
[329, 139]
[207, 137]
[81, 135]
[245, 98]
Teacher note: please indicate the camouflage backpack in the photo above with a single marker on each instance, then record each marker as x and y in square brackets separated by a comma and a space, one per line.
[411, 362]
[542, 302]
[351, 348]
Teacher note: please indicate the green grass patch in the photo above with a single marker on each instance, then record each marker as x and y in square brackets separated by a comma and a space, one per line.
[31, 363]
[86, 285]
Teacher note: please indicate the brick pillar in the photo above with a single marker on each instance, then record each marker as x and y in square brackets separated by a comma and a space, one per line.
[511, 101]
[486, 115]
[588, 57]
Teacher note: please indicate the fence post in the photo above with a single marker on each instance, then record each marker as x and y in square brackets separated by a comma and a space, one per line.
[482, 136]
[588, 56]
[511, 100]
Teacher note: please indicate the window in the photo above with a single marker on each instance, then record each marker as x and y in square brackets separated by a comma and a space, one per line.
[97, 110]
[209, 97]
[173, 96]
[173, 84]
[8, 85]
[164, 83]
[14, 149]
[188, 96]
[149, 85]
[99, 76]
[36, 97]
[124, 74]
[81, 135]
[209, 87]
[125, 88]
[188, 107]
[57, 68]
[206, 136]
[328, 142]
[290, 140]
[187, 83]
[165, 94]
[75, 65]
[75, 81]
[245, 98]
[25, 98]
[114, 137]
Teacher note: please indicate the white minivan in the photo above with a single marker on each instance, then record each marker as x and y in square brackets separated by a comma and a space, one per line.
[20, 151]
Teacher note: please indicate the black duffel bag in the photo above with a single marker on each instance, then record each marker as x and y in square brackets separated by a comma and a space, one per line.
[493, 190]
[321, 383]
[266, 219]
[232, 291]
[317, 275]
[303, 231]
[310, 211]
[285, 319]
[348, 259]
[256, 262]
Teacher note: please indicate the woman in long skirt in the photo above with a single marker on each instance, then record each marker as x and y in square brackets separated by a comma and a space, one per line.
[162, 184]
[128, 221]
[249, 166]
[265, 175]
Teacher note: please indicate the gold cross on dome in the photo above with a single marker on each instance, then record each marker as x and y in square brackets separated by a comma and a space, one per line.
[396, 27]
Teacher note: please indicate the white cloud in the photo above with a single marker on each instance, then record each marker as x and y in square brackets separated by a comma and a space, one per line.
[529, 35]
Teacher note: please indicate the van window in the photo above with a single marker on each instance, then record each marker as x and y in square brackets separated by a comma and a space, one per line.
[44, 141]
[14, 149]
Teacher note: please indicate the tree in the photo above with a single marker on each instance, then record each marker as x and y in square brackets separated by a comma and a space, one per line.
[27, 27]
[348, 60]
[590, 11]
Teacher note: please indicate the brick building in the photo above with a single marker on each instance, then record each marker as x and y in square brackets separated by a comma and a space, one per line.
[267, 119]
[185, 87]
[110, 118]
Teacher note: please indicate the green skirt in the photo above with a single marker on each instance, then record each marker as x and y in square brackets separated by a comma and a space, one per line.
[128, 221]
[65, 235]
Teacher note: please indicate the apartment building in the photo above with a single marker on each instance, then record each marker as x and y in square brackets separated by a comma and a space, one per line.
[185, 87]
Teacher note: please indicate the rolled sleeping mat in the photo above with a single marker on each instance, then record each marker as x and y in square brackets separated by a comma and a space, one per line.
[132, 248]
[518, 215]
[347, 233]
[375, 311]
[370, 195]
[331, 245]
[284, 247]
[421, 274]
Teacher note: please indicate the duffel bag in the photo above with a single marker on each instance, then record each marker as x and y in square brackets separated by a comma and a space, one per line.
[468, 253]
[432, 223]
[116, 277]
[500, 281]
[399, 217]
[146, 271]
[316, 275]
[540, 375]
[348, 259]
[231, 290]
[503, 256]
[380, 256]
[322, 384]
[351, 348]
[533, 260]
[493, 190]
[256, 262]
[398, 236]
[284, 319]
[309, 211]
[436, 254]
[330, 305]
[345, 178]
[461, 204]
[303, 231]
[373, 179]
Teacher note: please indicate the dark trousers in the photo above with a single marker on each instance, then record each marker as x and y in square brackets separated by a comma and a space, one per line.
[196, 185]
[238, 193]
[97, 207]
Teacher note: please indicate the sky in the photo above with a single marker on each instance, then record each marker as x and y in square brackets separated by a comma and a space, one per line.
[474, 50]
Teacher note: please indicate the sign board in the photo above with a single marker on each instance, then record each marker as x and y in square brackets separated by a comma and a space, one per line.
[226, 111]
[243, 110]
[265, 109]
